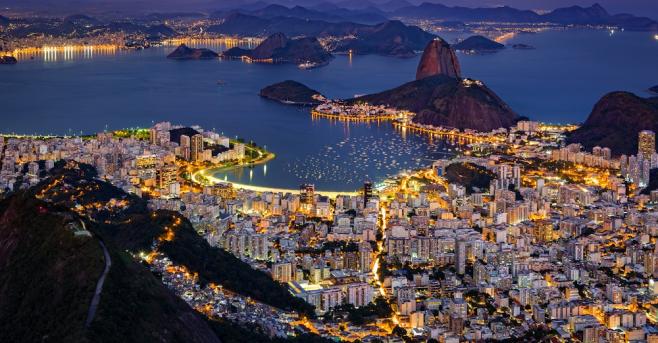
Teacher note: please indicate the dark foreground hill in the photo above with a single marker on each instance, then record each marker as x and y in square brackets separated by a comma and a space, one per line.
[616, 121]
[48, 276]
[132, 227]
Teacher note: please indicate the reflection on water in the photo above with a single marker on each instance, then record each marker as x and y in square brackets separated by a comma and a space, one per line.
[351, 160]
[55, 53]
[559, 81]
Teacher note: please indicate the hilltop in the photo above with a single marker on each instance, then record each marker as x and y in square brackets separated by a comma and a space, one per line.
[615, 122]
[291, 92]
[278, 48]
[440, 97]
[183, 52]
[444, 101]
[391, 38]
[48, 276]
[478, 44]
[131, 226]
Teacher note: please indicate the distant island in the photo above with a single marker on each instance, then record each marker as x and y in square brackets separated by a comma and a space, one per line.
[292, 93]
[183, 52]
[521, 46]
[8, 60]
[479, 44]
[278, 48]
[615, 122]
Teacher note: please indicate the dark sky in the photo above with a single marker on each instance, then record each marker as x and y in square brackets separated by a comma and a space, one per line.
[638, 7]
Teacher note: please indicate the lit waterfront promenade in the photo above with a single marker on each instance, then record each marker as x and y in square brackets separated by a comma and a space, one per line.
[361, 118]
[207, 174]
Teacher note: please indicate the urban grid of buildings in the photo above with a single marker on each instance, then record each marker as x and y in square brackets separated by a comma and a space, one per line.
[559, 239]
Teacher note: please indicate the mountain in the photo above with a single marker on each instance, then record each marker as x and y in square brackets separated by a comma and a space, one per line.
[394, 5]
[392, 38]
[594, 14]
[278, 48]
[236, 52]
[268, 47]
[133, 228]
[291, 92]
[478, 44]
[324, 12]
[49, 269]
[573, 15]
[183, 52]
[615, 122]
[444, 101]
[438, 59]
[249, 25]
[458, 13]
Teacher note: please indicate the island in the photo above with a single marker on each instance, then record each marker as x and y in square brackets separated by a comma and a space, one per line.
[183, 52]
[616, 118]
[439, 97]
[478, 44]
[391, 38]
[307, 52]
[8, 60]
[521, 46]
[292, 93]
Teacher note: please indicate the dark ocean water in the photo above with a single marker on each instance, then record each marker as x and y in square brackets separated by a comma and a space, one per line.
[559, 81]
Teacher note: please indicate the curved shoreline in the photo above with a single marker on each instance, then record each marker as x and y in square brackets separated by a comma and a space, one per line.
[206, 173]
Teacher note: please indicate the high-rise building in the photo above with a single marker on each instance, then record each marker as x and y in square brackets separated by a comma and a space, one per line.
[196, 147]
[307, 193]
[282, 272]
[646, 143]
[153, 136]
[167, 175]
[367, 192]
[460, 256]
[185, 144]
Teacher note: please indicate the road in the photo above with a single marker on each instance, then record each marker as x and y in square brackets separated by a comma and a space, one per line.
[99, 285]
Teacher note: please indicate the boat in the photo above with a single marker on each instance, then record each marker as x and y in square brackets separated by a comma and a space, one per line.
[307, 65]
[221, 82]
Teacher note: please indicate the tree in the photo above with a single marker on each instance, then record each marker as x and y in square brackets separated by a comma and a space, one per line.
[399, 331]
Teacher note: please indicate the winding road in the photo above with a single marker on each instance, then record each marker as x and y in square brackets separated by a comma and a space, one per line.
[99, 285]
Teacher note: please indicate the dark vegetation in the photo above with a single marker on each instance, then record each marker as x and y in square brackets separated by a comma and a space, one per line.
[48, 277]
[134, 228]
[653, 182]
[183, 52]
[615, 122]
[469, 175]
[444, 101]
[290, 92]
[379, 308]
[478, 43]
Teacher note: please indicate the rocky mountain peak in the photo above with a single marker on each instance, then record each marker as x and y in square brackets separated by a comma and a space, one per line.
[438, 59]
